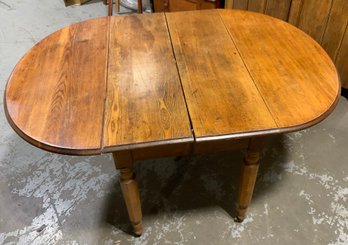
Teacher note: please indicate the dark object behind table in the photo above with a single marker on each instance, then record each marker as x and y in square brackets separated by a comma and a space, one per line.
[74, 2]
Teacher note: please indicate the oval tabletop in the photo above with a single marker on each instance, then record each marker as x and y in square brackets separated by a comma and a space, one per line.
[135, 81]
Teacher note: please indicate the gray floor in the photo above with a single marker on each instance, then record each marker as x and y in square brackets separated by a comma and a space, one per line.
[300, 198]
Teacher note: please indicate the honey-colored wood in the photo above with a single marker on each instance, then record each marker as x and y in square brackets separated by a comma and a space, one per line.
[129, 186]
[181, 149]
[277, 57]
[170, 84]
[213, 146]
[145, 102]
[54, 98]
[248, 177]
[220, 95]
[324, 20]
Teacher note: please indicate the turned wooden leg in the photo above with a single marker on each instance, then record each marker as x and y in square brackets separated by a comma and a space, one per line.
[248, 176]
[130, 191]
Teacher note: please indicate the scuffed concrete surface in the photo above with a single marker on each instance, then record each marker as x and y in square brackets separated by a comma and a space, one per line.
[300, 197]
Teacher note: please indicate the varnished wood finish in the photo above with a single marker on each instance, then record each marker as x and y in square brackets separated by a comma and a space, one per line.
[325, 20]
[220, 94]
[213, 146]
[179, 149]
[277, 57]
[129, 185]
[248, 177]
[230, 62]
[58, 87]
[170, 84]
[145, 102]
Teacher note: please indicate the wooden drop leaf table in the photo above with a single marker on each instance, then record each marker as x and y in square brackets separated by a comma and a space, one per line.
[170, 84]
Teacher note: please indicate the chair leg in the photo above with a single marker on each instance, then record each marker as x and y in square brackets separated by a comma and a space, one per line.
[129, 187]
[248, 176]
[110, 7]
[140, 6]
[118, 5]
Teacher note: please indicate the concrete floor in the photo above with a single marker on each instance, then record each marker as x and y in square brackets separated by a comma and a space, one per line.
[300, 197]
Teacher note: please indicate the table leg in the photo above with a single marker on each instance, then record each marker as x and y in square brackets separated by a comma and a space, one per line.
[124, 163]
[248, 176]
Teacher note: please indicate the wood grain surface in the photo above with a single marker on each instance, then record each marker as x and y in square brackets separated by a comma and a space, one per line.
[132, 82]
[145, 102]
[220, 94]
[287, 66]
[336, 29]
[240, 4]
[314, 16]
[341, 60]
[278, 9]
[257, 5]
[325, 20]
[55, 95]
[295, 12]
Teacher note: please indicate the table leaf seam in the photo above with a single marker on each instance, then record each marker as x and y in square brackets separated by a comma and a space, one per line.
[248, 70]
